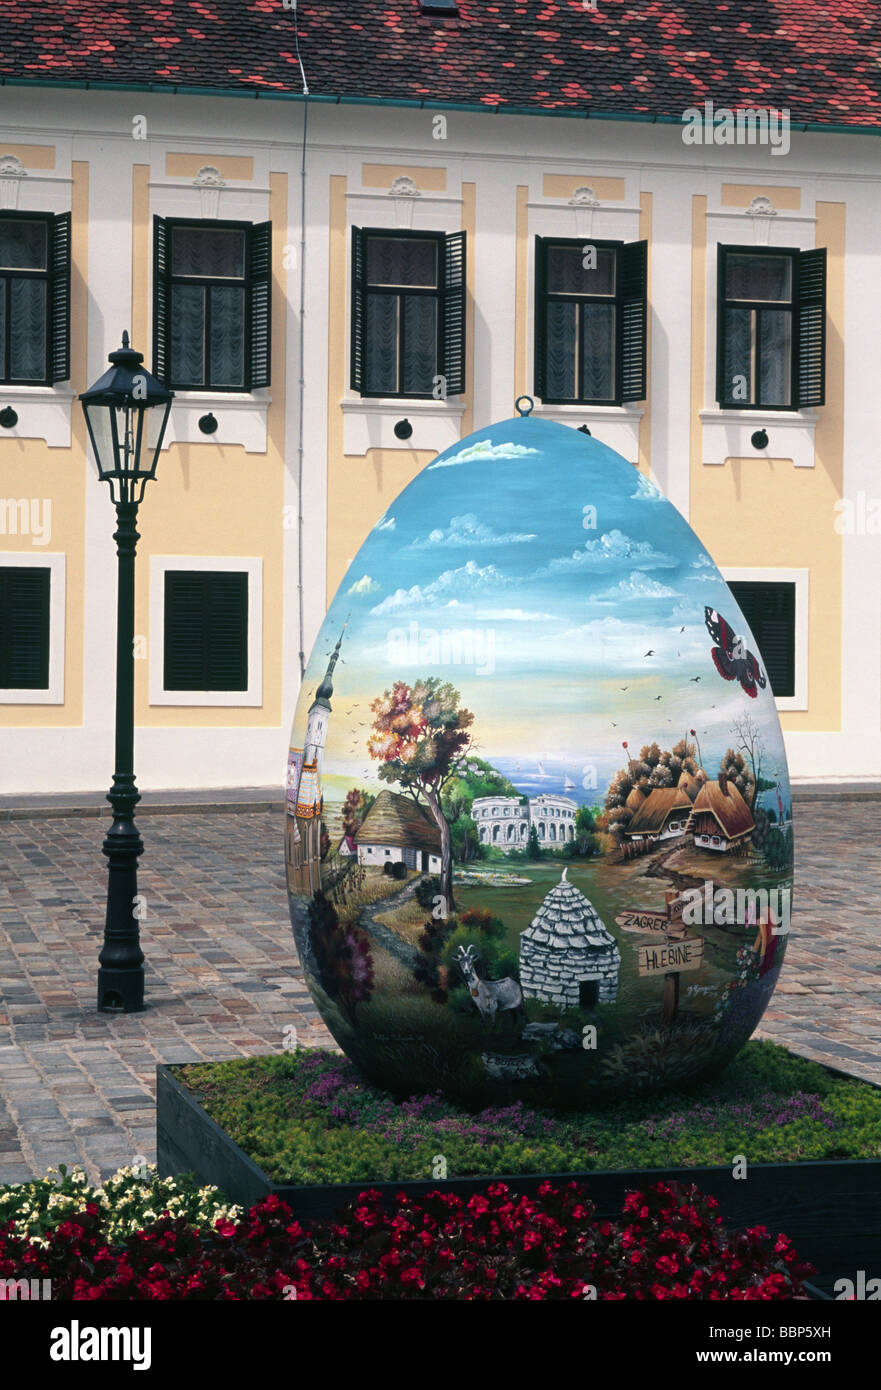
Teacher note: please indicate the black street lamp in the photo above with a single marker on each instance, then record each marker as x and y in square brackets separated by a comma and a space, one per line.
[126, 415]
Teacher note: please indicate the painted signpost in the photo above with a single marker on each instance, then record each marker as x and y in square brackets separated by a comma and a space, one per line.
[669, 952]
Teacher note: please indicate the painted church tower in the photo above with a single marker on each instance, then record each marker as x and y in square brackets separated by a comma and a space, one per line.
[304, 795]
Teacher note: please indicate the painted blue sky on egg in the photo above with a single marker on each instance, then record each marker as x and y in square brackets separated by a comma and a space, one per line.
[535, 569]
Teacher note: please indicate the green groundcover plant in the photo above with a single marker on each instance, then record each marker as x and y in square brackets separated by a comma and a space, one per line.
[308, 1117]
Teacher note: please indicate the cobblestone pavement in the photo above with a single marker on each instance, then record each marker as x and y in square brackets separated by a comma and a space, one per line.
[223, 980]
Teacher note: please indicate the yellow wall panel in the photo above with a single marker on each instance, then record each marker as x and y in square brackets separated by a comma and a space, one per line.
[740, 195]
[239, 167]
[427, 177]
[564, 185]
[215, 499]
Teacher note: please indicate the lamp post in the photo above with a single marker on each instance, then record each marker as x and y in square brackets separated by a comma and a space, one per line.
[126, 416]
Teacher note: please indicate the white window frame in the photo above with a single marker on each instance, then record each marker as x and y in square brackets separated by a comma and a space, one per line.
[801, 579]
[56, 565]
[253, 567]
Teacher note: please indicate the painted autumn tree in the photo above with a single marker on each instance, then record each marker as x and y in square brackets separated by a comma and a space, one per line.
[355, 807]
[733, 766]
[420, 736]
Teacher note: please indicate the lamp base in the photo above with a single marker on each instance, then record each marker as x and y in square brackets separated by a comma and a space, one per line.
[121, 991]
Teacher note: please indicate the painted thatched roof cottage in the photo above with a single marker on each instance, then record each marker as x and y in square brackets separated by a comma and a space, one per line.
[567, 957]
[396, 829]
[720, 818]
[664, 813]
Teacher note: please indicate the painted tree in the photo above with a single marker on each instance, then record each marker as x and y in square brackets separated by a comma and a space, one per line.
[420, 736]
[585, 831]
[342, 957]
[749, 743]
[733, 766]
[355, 807]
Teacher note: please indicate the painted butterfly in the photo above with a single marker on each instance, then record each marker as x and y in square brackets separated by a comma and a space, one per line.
[730, 655]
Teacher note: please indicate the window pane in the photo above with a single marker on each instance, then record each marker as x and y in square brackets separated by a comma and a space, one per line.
[227, 351]
[401, 261]
[560, 374]
[774, 366]
[188, 334]
[381, 344]
[27, 348]
[567, 273]
[22, 244]
[758, 277]
[597, 352]
[737, 349]
[419, 366]
[210, 251]
[3, 284]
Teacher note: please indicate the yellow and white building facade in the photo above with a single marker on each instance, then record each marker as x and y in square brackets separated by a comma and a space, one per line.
[274, 486]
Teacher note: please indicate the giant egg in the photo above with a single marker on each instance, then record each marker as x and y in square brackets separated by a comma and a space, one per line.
[538, 832]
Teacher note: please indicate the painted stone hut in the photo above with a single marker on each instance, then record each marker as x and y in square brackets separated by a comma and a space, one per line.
[567, 957]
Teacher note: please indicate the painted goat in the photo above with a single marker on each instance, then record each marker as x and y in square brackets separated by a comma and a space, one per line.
[488, 995]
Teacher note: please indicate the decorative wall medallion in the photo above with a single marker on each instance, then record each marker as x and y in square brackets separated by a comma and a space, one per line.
[209, 182]
[12, 171]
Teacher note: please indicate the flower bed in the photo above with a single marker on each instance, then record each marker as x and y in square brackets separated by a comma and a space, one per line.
[670, 1243]
[308, 1117]
[323, 1134]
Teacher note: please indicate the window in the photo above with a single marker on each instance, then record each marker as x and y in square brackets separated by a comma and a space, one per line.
[206, 630]
[448, 9]
[590, 321]
[34, 298]
[24, 627]
[211, 304]
[769, 609]
[771, 334]
[408, 313]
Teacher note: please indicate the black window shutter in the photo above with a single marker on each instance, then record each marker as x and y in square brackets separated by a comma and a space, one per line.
[633, 261]
[24, 627]
[206, 630]
[359, 250]
[812, 327]
[260, 291]
[769, 609]
[541, 319]
[454, 313]
[161, 270]
[59, 300]
[721, 394]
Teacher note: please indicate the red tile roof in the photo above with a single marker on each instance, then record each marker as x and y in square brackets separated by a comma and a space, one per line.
[651, 59]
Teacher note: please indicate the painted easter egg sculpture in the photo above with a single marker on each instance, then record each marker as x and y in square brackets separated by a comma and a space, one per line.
[538, 835]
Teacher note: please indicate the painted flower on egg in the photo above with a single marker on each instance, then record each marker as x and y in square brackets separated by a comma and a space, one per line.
[538, 833]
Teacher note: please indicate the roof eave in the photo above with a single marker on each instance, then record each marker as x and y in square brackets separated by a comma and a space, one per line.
[428, 103]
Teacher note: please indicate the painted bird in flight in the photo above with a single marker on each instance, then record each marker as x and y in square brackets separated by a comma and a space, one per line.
[649, 652]
[695, 678]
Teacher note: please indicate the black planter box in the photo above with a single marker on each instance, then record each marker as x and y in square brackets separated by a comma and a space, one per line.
[831, 1210]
